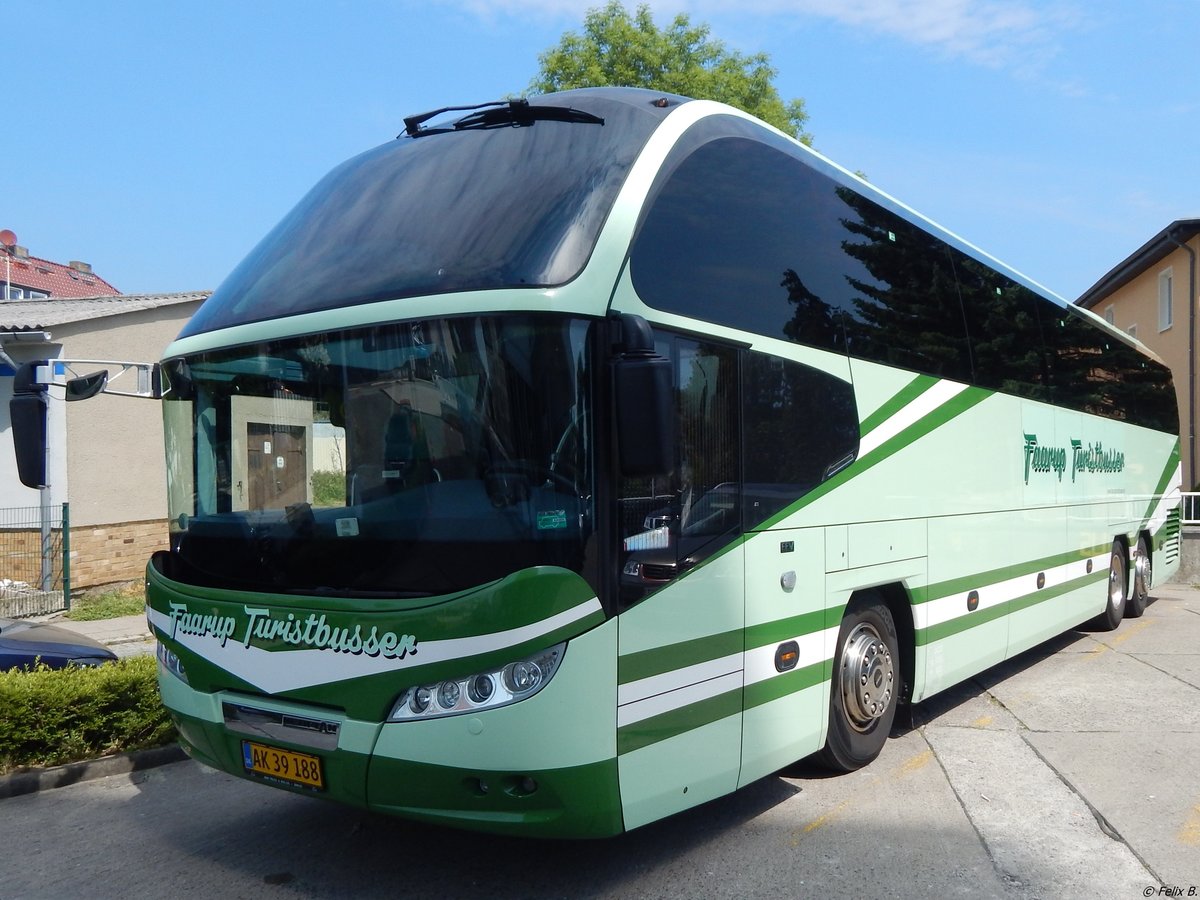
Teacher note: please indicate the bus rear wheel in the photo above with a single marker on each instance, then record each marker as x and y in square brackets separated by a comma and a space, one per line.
[1143, 577]
[1118, 590]
[865, 686]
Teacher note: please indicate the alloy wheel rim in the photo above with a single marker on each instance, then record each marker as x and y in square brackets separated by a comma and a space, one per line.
[867, 678]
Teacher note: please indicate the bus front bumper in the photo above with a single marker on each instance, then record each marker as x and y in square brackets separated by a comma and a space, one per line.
[369, 765]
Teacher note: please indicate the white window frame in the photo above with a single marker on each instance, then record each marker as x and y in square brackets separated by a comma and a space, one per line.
[1132, 331]
[1166, 313]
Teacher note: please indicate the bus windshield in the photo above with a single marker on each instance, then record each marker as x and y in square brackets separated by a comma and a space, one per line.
[477, 209]
[406, 460]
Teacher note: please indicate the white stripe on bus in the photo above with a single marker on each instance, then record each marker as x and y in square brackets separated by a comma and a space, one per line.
[923, 405]
[946, 609]
[664, 703]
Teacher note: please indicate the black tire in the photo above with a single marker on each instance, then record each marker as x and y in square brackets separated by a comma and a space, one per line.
[865, 688]
[1143, 578]
[1118, 590]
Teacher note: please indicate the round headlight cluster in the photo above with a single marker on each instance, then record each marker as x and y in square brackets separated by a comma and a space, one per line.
[421, 698]
[522, 677]
[448, 694]
[481, 688]
[484, 690]
[168, 661]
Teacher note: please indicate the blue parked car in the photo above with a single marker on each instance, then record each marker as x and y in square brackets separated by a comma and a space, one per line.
[23, 644]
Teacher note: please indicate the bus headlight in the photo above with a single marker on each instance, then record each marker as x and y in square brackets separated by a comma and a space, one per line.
[481, 690]
[169, 662]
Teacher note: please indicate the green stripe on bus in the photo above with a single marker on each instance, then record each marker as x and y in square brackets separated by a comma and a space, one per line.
[902, 398]
[1163, 481]
[951, 409]
[781, 685]
[657, 660]
[678, 721]
[1019, 603]
[785, 629]
[982, 617]
[1004, 573]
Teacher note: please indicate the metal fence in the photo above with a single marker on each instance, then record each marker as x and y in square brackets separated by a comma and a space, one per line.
[35, 560]
[1191, 509]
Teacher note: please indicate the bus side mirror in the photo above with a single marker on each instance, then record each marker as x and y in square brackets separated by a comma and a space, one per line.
[27, 411]
[88, 386]
[645, 413]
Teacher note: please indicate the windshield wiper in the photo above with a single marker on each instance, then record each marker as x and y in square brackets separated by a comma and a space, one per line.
[498, 114]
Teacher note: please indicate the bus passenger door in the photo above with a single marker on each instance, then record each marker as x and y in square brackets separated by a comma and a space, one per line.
[786, 692]
[800, 426]
[679, 668]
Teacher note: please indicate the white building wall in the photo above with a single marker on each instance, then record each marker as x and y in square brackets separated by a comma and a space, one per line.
[115, 457]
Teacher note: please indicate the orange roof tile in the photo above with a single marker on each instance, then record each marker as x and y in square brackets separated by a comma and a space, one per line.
[55, 279]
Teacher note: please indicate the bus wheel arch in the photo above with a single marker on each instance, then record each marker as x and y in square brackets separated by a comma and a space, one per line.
[867, 681]
[1141, 577]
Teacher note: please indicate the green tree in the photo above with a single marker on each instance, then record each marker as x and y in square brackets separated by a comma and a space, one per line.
[621, 49]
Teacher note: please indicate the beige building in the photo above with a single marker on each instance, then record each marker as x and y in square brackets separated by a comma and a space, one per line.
[1152, 295]
[106, 455]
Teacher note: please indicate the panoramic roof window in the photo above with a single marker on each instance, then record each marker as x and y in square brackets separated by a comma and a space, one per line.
[485, 206]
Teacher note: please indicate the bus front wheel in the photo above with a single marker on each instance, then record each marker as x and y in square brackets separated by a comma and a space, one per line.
[865, 686]
[1118, 590]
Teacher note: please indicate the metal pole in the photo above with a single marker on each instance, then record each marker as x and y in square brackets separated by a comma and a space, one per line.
[47, 579]
[66, 555]
[44, 501]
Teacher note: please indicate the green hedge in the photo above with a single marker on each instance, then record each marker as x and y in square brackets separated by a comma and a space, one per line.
[329, 488]
[53, 716]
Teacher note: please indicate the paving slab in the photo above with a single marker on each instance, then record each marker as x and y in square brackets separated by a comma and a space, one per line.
[1144, 784]
[1041, 834]
[1177, 665]
[921, 843]
[966, 705]
[1102, 690]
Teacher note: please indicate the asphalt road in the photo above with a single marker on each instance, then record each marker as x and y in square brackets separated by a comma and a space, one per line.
[1068, 772]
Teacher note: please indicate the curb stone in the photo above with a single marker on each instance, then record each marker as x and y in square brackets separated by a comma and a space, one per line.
[31, 781]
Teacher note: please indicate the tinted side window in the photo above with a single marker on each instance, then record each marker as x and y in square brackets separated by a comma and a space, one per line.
[1147, 397]
[671, 524]
[1098, 373]
[800, 424]
[907, 313]
[1004, 327]
[742, 232]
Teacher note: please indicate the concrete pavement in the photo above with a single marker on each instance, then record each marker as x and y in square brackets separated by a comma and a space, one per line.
[125, 636]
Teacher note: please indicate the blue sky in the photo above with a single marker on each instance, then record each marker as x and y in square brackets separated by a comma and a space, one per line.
[160, 141]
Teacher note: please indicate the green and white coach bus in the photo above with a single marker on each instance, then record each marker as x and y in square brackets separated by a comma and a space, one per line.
[665, 453]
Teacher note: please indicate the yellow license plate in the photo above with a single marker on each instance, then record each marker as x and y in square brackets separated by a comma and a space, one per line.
[284, 765]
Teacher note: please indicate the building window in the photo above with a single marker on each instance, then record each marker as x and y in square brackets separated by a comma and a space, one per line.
[16, 293]
[1110, 315]
[1165, 313]
[1132, 331]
